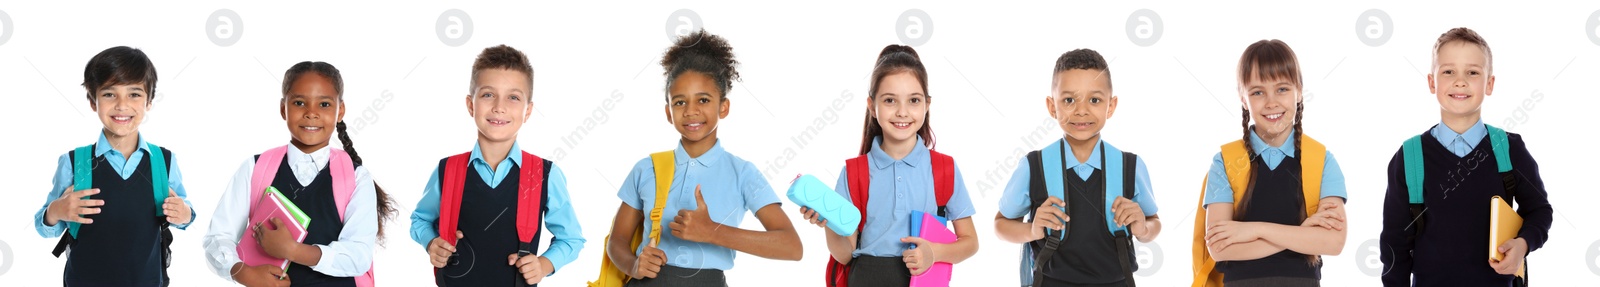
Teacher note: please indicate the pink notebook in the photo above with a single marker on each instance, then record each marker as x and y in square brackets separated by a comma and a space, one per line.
[930, 227]
[272, 204]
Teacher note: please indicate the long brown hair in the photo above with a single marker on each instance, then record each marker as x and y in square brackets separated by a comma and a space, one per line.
[1272, 59]
[896, 59]
[386, 210]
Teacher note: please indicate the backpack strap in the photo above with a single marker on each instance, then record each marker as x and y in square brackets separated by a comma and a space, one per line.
[665, 164]
[1052, 159]
[859, 177]
[343, 171]
[1124, 238]
[1112, 163]
[944, 178]
[266, 169]
[1046, 178]
[1500, 143]
[158, 176]
[530, 198]
[1313, 158]
[82, 178]
[450, 188]
[530, 205]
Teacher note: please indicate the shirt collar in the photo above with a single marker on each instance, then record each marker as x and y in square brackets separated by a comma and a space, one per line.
[711, 157]
[318, 158]
[1261, 146]
[881, 159]
[515, 155]
[1473, 135]
[1094, 156]
[102, 146]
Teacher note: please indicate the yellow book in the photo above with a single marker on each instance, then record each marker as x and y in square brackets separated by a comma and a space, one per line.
[1504, 223]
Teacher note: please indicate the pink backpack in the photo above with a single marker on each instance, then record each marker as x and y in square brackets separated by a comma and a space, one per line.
[344, 184]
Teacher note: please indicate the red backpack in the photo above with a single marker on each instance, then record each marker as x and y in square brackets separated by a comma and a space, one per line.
[859, 174]
[531, 194]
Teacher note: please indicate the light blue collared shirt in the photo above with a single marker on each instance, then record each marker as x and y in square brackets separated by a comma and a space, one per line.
[731, 186]
[560, 220]
[897, 188]
[1460, 143]
[123, 165]
[1015, 201]
[1218, 190]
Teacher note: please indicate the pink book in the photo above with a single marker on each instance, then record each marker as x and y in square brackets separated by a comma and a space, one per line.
[930, 227]
[272, 204]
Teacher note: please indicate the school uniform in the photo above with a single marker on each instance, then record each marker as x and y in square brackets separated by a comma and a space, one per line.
[897, 187]
[1460, 177]
[732, 187]
[346, 243]
[123, 245]
[1088, 256]
[1277, 199]
[487, 220]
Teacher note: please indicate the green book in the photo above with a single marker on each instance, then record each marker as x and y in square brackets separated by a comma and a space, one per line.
[300, 217]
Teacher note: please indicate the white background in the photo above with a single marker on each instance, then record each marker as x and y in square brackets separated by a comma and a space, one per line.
[989, 65]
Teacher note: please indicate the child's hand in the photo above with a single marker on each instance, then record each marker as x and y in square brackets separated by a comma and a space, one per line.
[439, 252]
[1128, 213]
[649, 262]
[694, 225]
[72, 207]
[1049, 215]
[1227, 233]
[177, 211]
[920, 258]
[261, 275]
[531, 267]
[812, 216]
[276, 239]
[1513, 252]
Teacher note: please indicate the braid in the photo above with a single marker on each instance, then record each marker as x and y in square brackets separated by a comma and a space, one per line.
[1300, 136]
[1250, 154]
[385, 204]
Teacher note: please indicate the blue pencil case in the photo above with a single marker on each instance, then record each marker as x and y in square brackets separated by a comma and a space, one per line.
[842, 216]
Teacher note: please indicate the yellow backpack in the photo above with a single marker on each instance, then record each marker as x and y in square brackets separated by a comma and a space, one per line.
[610, 276]
[1236, 161]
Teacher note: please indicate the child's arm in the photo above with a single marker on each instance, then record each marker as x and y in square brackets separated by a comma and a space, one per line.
[424, 219]
[1307, 239]
[1394, 249]
[175, 183]
[351, 254]
[43, 222]
[228, 223]
[1312, 240]
[960, 206]
[1139, 212]
[1015, 204]
[562, 222]
[623, 226]
[778, 241]
[1251, 249]
[1533, 202]
[840, 248]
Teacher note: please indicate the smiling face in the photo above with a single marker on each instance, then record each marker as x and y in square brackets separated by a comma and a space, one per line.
[499, 104]
[1271, 103]
[694, 105]
[311, 108]
[900, 107]
[121, 108]
[1081, 103]
[1461, 79]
